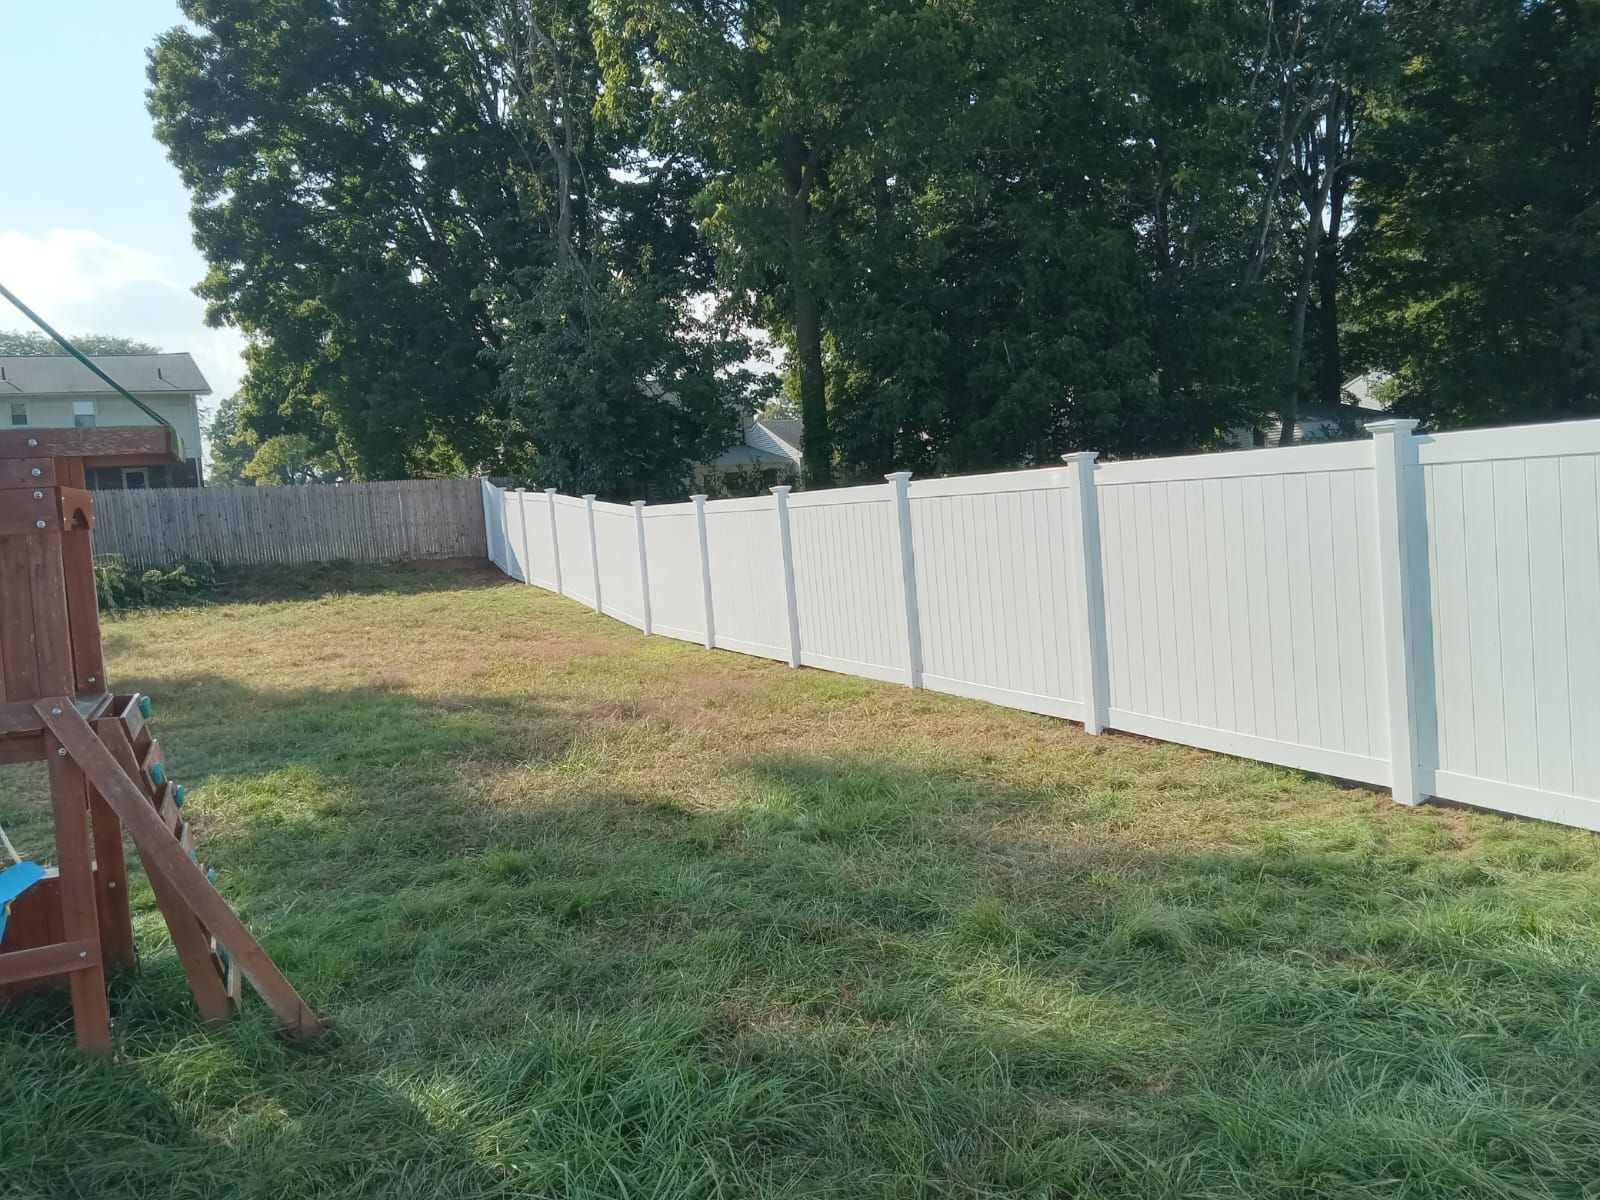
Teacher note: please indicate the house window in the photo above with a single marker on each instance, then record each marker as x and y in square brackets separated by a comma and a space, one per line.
[135, 479]
[83, 414]
[19, 413]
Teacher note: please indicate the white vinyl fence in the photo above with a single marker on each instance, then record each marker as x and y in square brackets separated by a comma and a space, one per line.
[1421, 613]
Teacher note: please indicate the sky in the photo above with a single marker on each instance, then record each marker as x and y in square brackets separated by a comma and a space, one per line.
[94, 222]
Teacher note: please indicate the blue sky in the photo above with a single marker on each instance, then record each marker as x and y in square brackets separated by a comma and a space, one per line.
[94, 226]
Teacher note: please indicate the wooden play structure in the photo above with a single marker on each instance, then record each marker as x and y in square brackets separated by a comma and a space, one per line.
[107, 775]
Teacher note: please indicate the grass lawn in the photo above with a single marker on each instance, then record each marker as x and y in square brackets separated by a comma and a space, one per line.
[597, 915]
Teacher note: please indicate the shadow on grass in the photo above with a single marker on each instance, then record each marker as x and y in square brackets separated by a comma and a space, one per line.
[865, 977]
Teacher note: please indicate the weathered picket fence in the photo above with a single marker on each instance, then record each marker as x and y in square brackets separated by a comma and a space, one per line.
[241, 526]
[1417, 612]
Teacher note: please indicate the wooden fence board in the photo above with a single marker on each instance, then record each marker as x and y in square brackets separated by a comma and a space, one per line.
[242, 526]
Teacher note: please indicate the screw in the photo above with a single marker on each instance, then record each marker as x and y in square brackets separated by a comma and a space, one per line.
[111, 883]
[61, 751]
[38, 495]
[36, 473]
[38, 524]
[83, 954]
[55, 712]
[92, 679]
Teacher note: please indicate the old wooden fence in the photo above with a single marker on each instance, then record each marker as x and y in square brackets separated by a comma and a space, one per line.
[1420, 612]
[239, 526]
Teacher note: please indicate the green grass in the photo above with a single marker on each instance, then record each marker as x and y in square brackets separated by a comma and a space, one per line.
[603, 916]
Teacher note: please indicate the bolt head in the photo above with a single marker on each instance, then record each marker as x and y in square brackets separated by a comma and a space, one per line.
[39, 524]
[36, 472]
[38, 495]
[61, 751]
[92, 679]
[55, 712]
[33, 441]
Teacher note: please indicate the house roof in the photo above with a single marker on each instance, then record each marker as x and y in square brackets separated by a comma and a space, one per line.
[763, 444]
[60, 375]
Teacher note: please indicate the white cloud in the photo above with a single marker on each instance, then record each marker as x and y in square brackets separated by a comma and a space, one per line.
[83, 282]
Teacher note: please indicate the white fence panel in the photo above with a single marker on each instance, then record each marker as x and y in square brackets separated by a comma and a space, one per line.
[617, 543]
[997, 579]
[1512, 580]
[677, 590]
[1422, 613]
[1241, 605]
[577, 562]
[848, 582]
[746, 567]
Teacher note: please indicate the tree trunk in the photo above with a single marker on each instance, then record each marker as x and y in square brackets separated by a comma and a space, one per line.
[1330, 384]
[818, 450]
[1289, 410]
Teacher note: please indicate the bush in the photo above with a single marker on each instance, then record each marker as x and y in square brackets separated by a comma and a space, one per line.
[120, 587]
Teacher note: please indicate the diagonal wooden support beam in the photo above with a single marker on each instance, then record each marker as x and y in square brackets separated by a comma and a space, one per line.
[189, 936]
[163, 856]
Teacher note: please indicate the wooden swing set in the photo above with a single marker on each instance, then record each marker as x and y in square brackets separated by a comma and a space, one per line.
[107, 774]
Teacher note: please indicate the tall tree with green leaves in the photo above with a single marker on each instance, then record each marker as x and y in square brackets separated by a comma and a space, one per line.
[33, 342]
[1478, 211]
[353, 179]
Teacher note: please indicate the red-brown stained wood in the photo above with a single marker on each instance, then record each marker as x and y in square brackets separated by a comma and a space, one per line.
[52, 630]
[151, 443]
[111, 886]
[69, 798]
[77, 959]
[189, 937]
[19, 671]
[162, 855]
[30, 472]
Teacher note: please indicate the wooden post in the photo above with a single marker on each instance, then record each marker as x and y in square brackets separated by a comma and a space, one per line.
[1089, 593]
[1394, 448]
[900, 481]
[790, 594]
[80, 921]
[555, 538]
[644, 568]
[594, 550]
[705, 568]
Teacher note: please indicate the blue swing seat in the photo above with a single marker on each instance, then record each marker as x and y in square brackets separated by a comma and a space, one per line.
[13, 882]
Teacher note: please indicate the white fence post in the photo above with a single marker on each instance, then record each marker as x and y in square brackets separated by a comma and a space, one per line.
[901, 481]
[527, 549]
[1394, 458]
[555, 538]
[705, 568]
[1094, 675]
[594, 549]
[644, 566]
[491, 494]
[791, 597]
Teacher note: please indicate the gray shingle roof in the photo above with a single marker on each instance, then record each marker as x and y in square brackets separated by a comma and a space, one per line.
[60, 375]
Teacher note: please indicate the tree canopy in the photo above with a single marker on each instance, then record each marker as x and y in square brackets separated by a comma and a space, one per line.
[32, 342]
[535, 236]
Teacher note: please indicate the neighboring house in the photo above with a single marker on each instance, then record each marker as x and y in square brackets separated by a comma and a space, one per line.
[1324, 422]
[766, 454]
[59, 392]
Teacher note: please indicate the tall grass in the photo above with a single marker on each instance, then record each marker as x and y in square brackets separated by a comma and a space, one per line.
[601, 916]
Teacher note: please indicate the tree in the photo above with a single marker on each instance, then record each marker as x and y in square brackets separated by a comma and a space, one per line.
[33, 342]
[232, 446]
[353, 190]
[391, 200]
[1477, 245]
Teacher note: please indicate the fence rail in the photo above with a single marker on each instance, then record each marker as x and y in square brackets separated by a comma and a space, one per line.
[243, 526]
[1421, 613]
